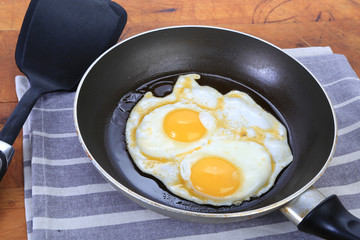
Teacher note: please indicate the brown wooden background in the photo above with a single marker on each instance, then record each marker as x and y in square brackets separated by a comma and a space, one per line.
[285, 23]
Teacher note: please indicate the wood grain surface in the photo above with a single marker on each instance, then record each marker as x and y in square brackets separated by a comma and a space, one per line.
[285, 23]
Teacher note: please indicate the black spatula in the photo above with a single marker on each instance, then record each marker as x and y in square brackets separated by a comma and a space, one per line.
[58, 40]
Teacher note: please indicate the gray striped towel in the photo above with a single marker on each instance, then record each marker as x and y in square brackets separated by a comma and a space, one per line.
[66, 198]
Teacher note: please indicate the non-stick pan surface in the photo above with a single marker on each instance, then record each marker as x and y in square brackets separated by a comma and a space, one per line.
[226, 60]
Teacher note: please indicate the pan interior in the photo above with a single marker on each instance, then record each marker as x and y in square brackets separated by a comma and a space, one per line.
[148, 185]
[229, 60]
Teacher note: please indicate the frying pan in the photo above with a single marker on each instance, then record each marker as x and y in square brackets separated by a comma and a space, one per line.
[226, 60]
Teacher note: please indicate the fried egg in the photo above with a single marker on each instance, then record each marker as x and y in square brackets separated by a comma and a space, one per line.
[173, 129]
[207, 147]
[226, 171]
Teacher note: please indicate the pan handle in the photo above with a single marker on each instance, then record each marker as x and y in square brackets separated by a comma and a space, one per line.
[325, 217]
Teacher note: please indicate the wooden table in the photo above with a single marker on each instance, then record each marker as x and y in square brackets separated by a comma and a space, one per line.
[285, 23]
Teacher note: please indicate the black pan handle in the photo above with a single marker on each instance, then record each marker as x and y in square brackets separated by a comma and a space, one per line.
[13, 126]
[330, 220]
[327, 218]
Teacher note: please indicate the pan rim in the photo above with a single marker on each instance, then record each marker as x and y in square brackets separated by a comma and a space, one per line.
[166, 208]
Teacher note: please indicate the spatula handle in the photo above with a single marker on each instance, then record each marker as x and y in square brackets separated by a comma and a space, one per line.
[6, 153]
[18, 117]
[13, 126]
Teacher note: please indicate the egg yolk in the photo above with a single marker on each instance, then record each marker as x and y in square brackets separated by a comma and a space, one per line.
[215, 177]
[184, 125]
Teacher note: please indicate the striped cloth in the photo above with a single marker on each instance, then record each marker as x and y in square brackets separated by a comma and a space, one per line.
[66, 198]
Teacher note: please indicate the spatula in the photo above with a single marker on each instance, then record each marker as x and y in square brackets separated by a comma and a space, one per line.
[58, 40]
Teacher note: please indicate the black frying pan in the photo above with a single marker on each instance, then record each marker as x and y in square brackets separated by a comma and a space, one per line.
[226, 60]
